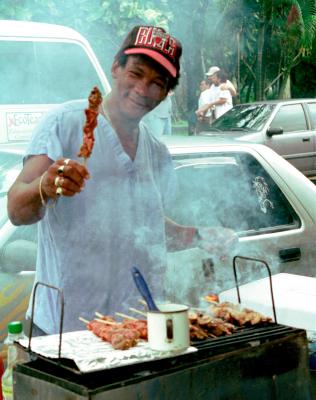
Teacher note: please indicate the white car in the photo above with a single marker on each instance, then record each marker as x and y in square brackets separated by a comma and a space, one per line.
[243, 186]
[42, 65]
[286, 126]
[249, 188]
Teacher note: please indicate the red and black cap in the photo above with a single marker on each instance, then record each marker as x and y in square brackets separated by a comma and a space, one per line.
[155, 43]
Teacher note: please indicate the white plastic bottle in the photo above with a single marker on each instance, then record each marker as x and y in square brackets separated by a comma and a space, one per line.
[15, 332]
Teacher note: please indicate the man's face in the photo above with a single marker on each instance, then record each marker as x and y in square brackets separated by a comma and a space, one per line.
[213, 78]
[139, 86]
[203, 85]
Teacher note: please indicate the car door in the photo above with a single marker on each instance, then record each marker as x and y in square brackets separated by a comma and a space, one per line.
[311, 106]
[235, 190]
[296, 143]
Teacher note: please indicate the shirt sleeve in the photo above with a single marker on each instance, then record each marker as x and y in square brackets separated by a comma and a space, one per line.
[224, 94]
[45, 139]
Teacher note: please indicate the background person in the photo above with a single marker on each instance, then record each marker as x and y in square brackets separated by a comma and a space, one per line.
[110, 214]
[159, 120]
[220, 99]
[228, 85]
[204, 121]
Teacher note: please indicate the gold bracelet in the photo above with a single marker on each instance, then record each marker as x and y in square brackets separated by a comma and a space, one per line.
[44, 204]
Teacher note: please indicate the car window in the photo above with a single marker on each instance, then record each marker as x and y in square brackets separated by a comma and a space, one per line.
[231, 190]
[312, 110]
[48, 72]
[291, 118]
[250, 117]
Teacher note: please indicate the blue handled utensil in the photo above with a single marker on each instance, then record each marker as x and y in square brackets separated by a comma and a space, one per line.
[143, 289]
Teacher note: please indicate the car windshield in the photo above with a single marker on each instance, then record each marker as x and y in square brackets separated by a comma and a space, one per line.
[48, 72]
[244, 117]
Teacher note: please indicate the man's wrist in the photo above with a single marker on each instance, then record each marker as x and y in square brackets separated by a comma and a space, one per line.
[196, 239]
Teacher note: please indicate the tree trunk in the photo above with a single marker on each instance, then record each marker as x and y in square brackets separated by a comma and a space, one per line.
[259, 82]
[285, 88]
[192, 59]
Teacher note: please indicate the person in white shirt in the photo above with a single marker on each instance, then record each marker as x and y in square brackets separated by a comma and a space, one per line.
[203, 122]
[212, 77]
[219, 94]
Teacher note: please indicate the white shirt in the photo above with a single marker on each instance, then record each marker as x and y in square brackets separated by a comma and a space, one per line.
[88, 243]
[221, 109]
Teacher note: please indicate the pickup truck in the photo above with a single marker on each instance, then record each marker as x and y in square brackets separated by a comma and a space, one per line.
[286, 126]
[42, 65]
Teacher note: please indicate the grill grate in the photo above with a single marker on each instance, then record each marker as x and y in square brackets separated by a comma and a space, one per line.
[245, 337]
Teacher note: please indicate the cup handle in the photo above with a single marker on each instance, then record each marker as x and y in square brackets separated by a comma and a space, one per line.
[169, 329]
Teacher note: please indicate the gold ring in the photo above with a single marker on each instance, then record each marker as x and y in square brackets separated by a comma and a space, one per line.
[56, 182]
[59, 191]
[60, 170]
[66, 162]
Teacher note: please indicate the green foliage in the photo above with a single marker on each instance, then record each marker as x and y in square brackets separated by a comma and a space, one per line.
[258, 42]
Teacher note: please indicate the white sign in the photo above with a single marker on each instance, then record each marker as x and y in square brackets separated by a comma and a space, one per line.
[21, 124]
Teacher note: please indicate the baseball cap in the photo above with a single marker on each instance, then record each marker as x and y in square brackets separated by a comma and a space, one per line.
[155, 43]
[212, 71]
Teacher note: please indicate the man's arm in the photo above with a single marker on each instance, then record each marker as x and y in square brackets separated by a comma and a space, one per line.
[229, 86]
[218, 240]
[179, 237]
[38, 178]
[201, 111]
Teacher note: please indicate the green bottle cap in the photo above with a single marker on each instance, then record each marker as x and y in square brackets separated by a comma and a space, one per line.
[15, 327]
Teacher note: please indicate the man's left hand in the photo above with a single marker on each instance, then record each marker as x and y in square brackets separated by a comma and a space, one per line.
[217, 240]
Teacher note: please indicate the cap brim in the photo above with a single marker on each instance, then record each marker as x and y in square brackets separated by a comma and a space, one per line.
[164, 62]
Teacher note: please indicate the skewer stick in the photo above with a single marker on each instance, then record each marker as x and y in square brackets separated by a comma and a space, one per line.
[84, 320]
[104, 321]
[138, 311]
[125, 316]
[210, 301]
[143, 302]
[99, 314]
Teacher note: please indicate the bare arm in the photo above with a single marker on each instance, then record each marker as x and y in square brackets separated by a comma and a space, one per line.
[201, 111]
[24, 201]
[179, 237]
[229, 86]
[214, 240]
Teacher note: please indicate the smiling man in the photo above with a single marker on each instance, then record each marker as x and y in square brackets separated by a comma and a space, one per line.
[109, 215]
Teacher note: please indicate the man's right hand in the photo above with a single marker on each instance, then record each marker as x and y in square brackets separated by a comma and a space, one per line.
[64, 177]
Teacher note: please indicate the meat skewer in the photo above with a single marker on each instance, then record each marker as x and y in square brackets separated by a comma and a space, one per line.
[95, 99]
[119, 337]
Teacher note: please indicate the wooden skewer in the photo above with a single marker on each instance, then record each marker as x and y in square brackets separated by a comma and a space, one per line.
[84, 320]
[125, 316]
[210, 301]
[99, 314]
[104, 321]
[143, 302]
[138, 311]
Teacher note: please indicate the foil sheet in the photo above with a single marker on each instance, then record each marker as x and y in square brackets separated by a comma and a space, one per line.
[91, 353]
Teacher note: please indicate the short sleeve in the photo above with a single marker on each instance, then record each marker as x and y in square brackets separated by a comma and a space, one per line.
[45, 138]
[224, 94]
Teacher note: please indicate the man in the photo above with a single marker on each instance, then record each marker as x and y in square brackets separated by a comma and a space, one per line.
[203, 121]
[110, 214]
[218, 97]
[212, 76]
[159, 120]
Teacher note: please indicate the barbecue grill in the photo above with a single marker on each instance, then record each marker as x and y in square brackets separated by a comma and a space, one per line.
[267, 362]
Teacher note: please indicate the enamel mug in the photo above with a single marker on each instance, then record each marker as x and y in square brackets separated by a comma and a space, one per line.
[168, 328]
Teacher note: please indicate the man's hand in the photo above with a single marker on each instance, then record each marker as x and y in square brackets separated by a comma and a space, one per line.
[64, 176]
[218, 241]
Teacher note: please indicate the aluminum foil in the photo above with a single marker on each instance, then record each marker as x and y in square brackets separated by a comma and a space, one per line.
[91, 353]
